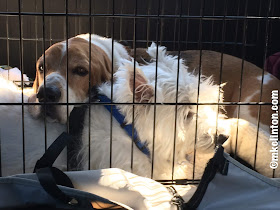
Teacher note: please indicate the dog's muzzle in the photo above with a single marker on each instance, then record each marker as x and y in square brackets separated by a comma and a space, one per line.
[49, 94]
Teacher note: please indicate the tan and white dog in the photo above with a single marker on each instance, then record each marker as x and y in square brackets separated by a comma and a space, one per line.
[22, 146]
[81, 71]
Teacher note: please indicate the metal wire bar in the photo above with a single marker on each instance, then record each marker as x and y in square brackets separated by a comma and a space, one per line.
[261, 91]
[76, 20]
[188, 22]
[141, 41]
[36, 33]
[158, 30]
[79, 24]
[107, 19]
[236, 27]
[212, 24]
[205, 17]
[67, 76]
[44, 64]
[50, 42]
[134, 70]
[112, 85]
[121, 22]
[258, 25]
[148, 24]
[198, 84]
[241, 76]
[175, 25]
[7, 39]
[89, 84]
[22, 96]
[162, 21]
[143, 103]
[176, 99]
[221, 67]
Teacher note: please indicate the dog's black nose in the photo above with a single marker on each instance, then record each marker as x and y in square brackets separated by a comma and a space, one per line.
[49, 94]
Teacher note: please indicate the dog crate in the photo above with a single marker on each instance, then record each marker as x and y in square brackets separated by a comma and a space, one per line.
[247, 29]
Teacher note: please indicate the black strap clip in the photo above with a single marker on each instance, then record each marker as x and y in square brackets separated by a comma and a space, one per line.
[177, 199]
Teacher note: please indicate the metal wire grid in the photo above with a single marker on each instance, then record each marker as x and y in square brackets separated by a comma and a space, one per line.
[159, 17]
[123, 17]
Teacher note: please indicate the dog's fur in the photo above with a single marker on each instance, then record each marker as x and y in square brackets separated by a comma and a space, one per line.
[244, 143]
[23, 147]
[231, 75]
[164, 124]
[165, 120]
[17, 145]
[55, 70]
[145, 91]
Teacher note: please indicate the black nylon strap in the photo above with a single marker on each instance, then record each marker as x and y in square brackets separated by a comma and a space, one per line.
[215, 164]
[48, 176]
[49, 183]
[53, 151]
[76, 125]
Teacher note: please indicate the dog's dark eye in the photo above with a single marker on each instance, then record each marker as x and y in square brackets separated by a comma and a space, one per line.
[80, 71]
[41, 68]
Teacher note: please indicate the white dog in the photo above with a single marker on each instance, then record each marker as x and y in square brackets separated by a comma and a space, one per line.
[21, 148]
[145, 80]
[159, 136]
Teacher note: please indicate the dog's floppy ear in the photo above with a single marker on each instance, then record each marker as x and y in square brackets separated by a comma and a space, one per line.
[101, 68]
[36, 83]
[143, 91]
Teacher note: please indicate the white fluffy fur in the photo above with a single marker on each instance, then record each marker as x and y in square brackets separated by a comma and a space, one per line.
[11, 133]
[121, 148]
[34, 130]
[165, 120]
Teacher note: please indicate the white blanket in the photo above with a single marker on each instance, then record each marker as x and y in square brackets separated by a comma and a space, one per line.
[126, 188]
[13, 74]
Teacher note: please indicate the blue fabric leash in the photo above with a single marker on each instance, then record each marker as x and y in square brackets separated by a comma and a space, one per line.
[127, 127]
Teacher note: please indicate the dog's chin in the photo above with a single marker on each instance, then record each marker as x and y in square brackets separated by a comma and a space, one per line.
[38, 112]
[51, 119]
[51, 113]
[54, 114]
